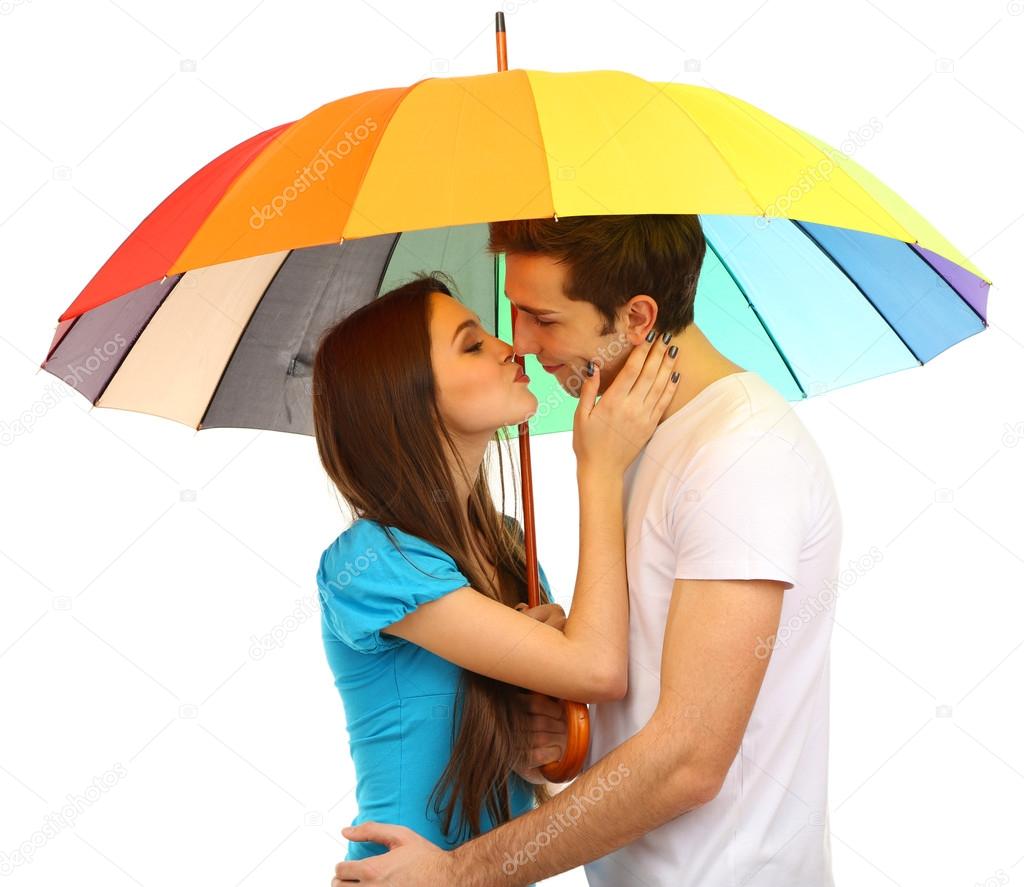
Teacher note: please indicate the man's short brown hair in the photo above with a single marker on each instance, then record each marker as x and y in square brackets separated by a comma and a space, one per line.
[610, 259]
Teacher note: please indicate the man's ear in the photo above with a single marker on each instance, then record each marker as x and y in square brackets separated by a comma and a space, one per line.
[641, 316]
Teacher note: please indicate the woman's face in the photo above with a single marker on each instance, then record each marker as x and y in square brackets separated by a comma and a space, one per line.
[477, 391]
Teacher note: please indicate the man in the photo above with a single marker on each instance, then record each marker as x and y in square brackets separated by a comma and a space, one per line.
[713, 769]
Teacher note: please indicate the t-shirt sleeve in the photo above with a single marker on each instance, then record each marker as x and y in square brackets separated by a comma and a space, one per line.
[739, 510]
[367, 584]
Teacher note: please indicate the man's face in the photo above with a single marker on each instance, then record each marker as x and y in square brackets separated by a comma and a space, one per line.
[562, 333]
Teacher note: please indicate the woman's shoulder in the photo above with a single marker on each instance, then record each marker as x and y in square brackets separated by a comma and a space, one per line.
[367, 582]
[372, 540]
[374, 557]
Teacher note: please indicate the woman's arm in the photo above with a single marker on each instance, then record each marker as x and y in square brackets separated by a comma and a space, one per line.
[586, 661]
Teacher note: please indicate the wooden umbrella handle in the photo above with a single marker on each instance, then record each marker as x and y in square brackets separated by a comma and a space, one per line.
[577, 716]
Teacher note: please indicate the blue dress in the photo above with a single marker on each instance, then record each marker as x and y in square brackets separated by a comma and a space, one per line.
[399, 698]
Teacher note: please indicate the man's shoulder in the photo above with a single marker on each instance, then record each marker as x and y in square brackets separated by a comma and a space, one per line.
[741, 409]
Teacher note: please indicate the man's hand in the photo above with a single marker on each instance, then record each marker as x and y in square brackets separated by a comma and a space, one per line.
[411, 860]
[545, 715]
[548, 732]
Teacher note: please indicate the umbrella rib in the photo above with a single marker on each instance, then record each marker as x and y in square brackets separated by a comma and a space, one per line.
[697, 126]
[238, 342]
[387, 262]
[543, 145]
[860, 289]
[757, 314]
[138, 335]
[57, 344]
[369, 160]
[943, 276]
[839, 164]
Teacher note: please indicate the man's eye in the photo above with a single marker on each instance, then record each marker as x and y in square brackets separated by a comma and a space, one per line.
[543, 322]
[479, 346]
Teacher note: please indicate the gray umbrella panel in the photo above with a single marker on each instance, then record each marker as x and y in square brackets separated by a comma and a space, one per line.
[265, 381]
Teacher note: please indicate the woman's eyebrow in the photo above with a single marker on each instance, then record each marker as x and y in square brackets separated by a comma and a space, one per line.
[472, 321]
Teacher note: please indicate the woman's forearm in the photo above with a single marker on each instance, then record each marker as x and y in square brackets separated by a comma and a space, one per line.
[598, 619]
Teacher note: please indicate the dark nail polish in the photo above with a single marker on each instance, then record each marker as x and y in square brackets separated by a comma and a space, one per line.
[590, 368]
[666, 338]
[675, 376]
[652, 335]
[673, 351]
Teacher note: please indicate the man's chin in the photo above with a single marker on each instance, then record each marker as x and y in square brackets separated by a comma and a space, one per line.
[568, 379]
[570, 384]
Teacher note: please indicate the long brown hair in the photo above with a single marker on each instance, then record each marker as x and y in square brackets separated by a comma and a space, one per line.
[382, 441]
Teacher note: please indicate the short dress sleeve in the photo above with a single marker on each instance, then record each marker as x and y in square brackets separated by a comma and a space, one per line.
[367, 584]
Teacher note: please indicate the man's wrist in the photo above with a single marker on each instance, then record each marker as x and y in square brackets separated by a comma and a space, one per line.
[454, 872]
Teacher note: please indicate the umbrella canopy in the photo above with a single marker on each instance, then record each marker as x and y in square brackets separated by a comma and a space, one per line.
[209, 312]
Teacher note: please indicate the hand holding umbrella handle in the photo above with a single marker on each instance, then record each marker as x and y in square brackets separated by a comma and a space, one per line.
[577, 722]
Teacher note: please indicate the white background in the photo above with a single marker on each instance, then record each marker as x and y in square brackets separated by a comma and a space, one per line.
[141, 560]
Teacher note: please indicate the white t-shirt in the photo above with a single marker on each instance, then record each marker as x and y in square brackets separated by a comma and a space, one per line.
[732, 486]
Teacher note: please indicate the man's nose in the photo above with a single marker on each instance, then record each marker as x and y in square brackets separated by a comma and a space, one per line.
[522, 341]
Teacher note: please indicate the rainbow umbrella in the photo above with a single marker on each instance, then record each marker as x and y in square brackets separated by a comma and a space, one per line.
[816, 275]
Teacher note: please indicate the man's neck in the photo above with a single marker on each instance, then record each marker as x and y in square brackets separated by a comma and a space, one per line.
[699, 364]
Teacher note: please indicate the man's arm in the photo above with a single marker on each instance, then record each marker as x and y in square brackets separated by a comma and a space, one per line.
[717, 646]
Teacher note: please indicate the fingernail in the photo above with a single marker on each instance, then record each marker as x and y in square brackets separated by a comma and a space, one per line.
[673, 351]
[652, 335]
[675, 376]
[590, 368]
[666, 338]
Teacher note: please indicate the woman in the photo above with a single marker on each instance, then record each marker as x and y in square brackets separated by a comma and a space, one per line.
[419, 595]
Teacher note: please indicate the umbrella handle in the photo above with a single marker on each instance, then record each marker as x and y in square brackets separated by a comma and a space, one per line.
[577, 721]
[577, 716]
